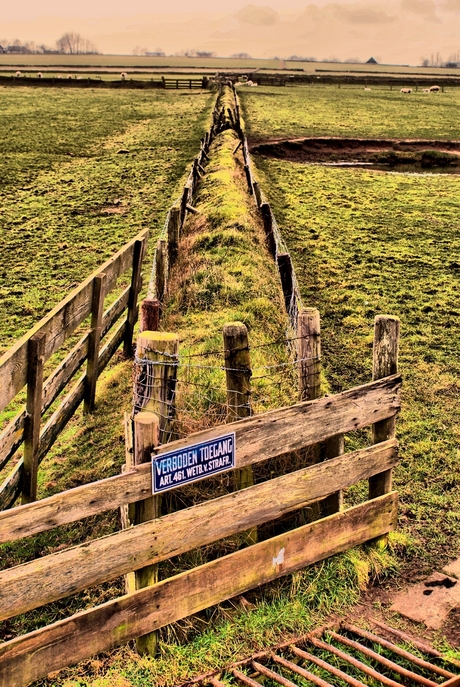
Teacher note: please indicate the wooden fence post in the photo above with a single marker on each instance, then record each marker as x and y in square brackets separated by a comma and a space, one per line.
[268, 227]
[386, 345]
[247, 171]
[138, 256]
[97, 311]
[285, 270]
[35, 365]
[146, 438]
[309, 370]
[161, 274]
[257, 193]
[238, 374]
[150, 314]
[309, 347]
[173, 235]
[333, 447]
[155, 383]
[184, 201]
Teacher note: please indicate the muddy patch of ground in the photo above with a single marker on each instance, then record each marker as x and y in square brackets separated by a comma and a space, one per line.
[405, 155]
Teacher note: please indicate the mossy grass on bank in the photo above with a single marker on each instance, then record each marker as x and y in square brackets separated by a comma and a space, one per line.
[225, 274]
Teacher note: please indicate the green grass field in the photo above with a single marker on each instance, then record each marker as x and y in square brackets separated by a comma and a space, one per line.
[295, 112]
[364, 243]
[69, 199]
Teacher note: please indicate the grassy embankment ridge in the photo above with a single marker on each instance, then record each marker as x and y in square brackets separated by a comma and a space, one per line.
[366, 242]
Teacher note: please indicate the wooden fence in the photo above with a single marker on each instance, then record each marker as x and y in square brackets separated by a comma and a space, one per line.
[23, 588]
[23, 365]
[182, 82]
[129, 82]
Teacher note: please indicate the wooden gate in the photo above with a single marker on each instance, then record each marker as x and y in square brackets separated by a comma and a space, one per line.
[23, 588]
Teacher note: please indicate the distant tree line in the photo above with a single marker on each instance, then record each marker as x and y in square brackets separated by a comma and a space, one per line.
[70, 43]
[435, 60]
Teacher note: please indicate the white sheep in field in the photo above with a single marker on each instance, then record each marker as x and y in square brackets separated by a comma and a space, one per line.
[69, 76]
[18, 73]
[434, 89]
[368, 89]
[406, 90]
[39, 75]
[123, 76]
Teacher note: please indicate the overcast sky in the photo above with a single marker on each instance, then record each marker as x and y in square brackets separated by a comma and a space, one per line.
[393, 31]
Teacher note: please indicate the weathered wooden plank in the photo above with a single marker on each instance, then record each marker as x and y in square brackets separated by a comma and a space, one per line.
[11, 438]
[57, 422]
[34, 416]
[32, 656]
[69, 405]
[59, 323]
[115, 311]
[97, 312]
[258, 438]
[47, 579]
[11, 487]
[288, 429]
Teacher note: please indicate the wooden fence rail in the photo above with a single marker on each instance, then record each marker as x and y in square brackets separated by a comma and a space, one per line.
[34, 655]
[22, 365]
[68, 572]
[258, 438]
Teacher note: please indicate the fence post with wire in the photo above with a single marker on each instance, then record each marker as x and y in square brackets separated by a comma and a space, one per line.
[238, 377]
[154, 382]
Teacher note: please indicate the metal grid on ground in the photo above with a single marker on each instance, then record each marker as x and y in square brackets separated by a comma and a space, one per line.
[339, 655]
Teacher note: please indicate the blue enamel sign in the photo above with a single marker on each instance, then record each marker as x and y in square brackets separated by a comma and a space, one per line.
[192, 463]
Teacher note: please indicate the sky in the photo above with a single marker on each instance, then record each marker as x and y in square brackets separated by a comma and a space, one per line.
[392, 31]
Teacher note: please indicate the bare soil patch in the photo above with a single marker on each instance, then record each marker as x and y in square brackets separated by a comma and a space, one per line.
[392, 152]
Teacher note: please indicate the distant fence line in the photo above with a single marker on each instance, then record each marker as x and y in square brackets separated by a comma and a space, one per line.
[72, 81]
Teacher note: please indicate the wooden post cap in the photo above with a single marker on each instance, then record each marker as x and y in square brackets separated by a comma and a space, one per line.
[158, 341]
